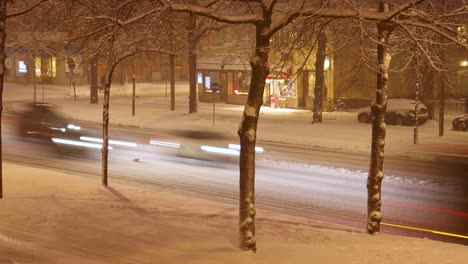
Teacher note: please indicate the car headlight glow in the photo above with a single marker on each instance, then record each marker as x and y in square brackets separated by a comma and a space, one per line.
[74, 127]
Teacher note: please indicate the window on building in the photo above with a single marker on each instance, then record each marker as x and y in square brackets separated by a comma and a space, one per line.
[37, 66]
[53, 67]
[462, 33]
[311, 84]
[200, 78]
[45, 67]
[210, 78]
[241, 82]
[22, 68]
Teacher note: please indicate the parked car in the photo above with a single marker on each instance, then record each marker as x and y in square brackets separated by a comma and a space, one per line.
[460, 123]
[399, 112]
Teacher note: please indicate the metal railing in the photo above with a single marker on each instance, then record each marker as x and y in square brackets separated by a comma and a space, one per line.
[451, 107]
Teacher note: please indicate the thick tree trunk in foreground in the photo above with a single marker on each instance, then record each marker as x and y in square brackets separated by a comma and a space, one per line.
[375, 177]
[319, 78]
[2, 77]
[192, 64]
[248, 134]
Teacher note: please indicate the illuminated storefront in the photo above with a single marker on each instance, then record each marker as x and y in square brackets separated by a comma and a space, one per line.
[282, 89]
[279, 90]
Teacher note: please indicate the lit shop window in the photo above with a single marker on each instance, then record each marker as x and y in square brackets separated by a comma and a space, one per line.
[210, 79]
[241, 82]
[200, 78]
[37, 66]
[22, 68]
[53, 67]
[207, 84]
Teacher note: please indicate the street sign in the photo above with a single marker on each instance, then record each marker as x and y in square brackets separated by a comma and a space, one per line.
[71, 64]
[215, 87]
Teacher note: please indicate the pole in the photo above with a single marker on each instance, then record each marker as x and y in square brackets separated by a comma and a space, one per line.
[214, 108]
[93, 72]
[42, 80]
[165, 69]
[133, 94]
[34, 86]
[73, 82]
[441, 108]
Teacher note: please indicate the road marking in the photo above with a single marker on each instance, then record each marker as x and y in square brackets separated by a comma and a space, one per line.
[425, 230]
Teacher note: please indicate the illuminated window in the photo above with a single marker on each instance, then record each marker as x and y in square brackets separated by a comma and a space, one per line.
[22, 67]
[37, 66]
[207, 83]
[311, 85]
[241, 82]
[200, 78]
[326, 64]
[462, 33]
[210, 78]
[53, 67]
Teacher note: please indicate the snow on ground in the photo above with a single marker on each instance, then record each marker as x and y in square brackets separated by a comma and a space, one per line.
[54, 217]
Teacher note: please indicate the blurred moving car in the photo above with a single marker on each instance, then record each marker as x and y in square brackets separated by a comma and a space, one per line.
[460, 123]
[42, 122]
[399, 112]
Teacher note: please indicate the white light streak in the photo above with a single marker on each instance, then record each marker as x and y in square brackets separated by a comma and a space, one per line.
[114, 142]
[237, 147]
[74, 127]
[220, 150]
[164, 143]
[58, 128]
[77, 143]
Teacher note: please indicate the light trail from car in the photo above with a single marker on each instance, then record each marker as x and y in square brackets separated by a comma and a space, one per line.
[114, 142]
[427, 208]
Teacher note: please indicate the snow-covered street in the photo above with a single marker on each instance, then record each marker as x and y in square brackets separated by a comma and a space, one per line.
[67, 216]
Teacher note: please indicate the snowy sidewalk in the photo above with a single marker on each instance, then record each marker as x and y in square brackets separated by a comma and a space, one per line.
[54, 217]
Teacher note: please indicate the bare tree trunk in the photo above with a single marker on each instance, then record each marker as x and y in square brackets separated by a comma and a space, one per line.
[192, 64]
[3, 4]
[34, 82]
[441, 107]
[416, 106]
[442, 88]
[375, 177]
[133, 87]
[172, 65]
[94, 81]
[248, 134]
[105, 126]
[319, 77]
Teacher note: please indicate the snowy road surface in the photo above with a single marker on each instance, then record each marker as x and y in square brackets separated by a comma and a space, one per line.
[319, 185]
